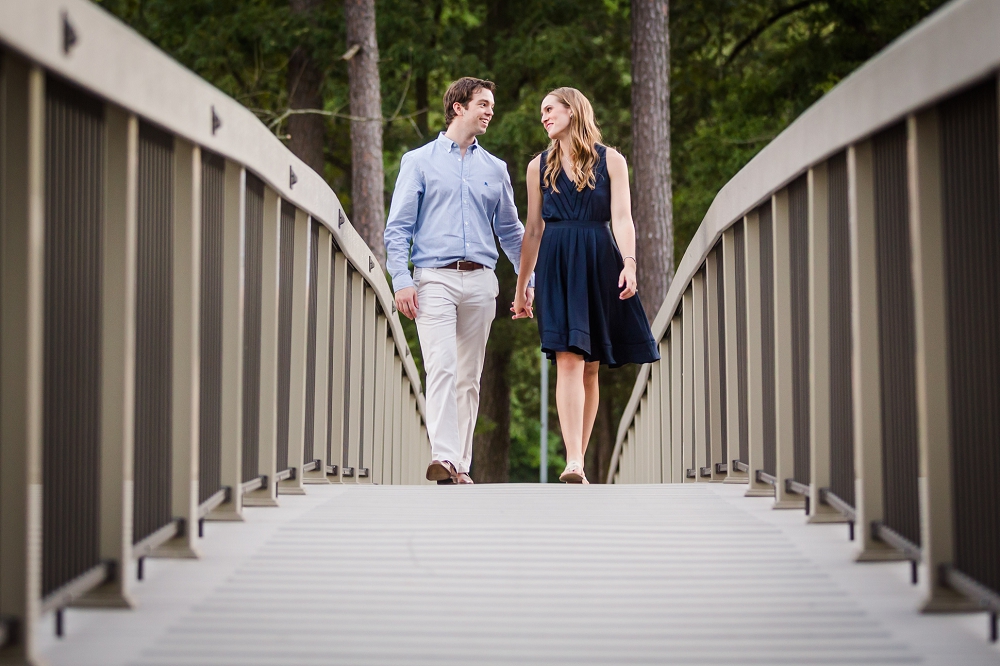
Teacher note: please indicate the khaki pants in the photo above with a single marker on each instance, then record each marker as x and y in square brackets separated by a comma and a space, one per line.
[455, 310]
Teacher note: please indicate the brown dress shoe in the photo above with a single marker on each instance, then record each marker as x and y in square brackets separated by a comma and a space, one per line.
[463, 477]
[441, 470]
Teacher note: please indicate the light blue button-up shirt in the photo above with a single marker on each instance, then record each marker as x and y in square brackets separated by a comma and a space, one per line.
[449, 206]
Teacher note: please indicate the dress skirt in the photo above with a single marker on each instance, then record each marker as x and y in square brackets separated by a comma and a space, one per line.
[576, 297]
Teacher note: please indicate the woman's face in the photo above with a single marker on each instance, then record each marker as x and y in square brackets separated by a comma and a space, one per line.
[555, 117]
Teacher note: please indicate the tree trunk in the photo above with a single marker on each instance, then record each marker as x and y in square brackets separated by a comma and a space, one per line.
[652, 194]
[367, 176]
[491, 444]
[307, 132]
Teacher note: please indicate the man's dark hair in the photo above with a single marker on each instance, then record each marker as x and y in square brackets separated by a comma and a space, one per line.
[461, 91]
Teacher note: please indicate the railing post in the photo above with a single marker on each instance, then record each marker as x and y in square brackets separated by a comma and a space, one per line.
[819, 346]
[676, 400]
[22, 260]
[687, 390]
[367, 386]
[865, 353]
[632, 462]
[406, 431]
[118, 355]
[339, 355]
[755, 358]
[379, 411]
[628, 453]
[186, 356]
[425, 448]
[784, 394]
[297, 371]
[643, 470]
[927, 240]
[267, 463]
[397, 419]
[625, 457]
[411, 442]
[233, 277]
[701, 411]
[324, 258]
[655, 421]
[715, 369]
[355, 373]
[664, 406]
[732, 324]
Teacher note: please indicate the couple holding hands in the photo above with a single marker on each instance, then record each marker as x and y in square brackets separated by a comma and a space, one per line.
[574, 257]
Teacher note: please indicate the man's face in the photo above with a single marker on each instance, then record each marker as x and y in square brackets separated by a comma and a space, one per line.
[475, 118]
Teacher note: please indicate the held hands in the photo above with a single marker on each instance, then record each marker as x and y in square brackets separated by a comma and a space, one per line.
[522, 305]
[627, 280]
[406, 302]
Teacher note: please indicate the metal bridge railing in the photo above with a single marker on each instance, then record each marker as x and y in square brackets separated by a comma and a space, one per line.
[190, 325]
[831, 337]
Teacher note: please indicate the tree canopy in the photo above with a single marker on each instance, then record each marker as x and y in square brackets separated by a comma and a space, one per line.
[741, 71]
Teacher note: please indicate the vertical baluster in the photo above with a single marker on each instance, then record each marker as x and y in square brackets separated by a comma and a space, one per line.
[756, 403]
[367, 387]
[784, 390]
[186, 342]
[22, 223]
[715, 373]
[377, 439]
[865, 356]
[267, 386]
[339, 355]
[118, 354]
[819, 346]
[321, 382]
[700, 385]
[297, 370]
[734, 406]
[687, 391]
[677, 400]
[665, 407]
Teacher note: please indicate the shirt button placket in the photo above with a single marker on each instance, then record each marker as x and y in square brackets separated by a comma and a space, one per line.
[465, 206]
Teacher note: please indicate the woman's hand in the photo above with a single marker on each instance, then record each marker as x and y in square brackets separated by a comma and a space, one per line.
[522, 305]
[627, 280]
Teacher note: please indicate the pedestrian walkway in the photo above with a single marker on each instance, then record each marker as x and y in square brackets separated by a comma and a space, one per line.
[522, 574]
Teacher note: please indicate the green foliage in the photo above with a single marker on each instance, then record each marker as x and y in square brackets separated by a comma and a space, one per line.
[733, 92]
[741, 71]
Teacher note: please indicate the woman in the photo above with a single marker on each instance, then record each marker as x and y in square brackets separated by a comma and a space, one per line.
[588, 311]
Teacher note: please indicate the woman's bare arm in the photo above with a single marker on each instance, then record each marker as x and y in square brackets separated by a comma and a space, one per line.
[534, 226]
[621, 220]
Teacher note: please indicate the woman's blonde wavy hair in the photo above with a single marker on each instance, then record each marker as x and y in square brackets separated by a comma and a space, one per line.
[584, 135]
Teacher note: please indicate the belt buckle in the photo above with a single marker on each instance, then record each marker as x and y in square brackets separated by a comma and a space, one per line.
[463, 265]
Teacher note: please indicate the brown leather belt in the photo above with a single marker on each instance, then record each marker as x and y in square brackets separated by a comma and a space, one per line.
[462, 265]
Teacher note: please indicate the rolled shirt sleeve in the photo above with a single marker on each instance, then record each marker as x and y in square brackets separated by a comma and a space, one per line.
[508, 227]
[402, 220]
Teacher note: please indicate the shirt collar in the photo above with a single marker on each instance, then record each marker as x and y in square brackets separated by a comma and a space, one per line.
[450, 145]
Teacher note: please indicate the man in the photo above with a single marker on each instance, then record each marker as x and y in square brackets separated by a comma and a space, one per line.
[450, 196]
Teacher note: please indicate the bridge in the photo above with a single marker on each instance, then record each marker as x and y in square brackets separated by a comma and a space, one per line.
[211, 430]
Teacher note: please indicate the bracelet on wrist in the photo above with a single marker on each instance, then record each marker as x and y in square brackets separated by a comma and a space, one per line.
[632, 258]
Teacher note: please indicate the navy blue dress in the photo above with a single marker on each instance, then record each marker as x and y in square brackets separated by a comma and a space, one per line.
[576, 278]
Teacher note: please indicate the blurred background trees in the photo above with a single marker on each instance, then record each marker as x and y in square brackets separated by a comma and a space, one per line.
[740, 71]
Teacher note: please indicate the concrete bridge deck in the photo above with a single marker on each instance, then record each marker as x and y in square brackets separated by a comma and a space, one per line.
[518, 574]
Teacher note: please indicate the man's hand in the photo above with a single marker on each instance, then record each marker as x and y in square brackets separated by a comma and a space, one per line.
[406, 302]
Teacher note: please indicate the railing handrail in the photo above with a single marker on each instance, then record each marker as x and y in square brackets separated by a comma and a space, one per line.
[114, 62]
[915, 71]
